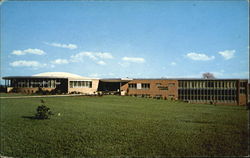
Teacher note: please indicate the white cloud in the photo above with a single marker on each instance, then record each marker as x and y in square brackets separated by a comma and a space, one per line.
[227, 54]
[77, 57]
[104, 55]
[60, 61]
[199, 56]
[69, 46]
[101, 63]
[28, 51]
[24, 63]
[97, 57]
[173, 63]
[91, 55]
[133, 59]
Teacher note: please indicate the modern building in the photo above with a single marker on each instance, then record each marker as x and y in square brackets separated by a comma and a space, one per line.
[59, 81]
[113, 85]
[221, 91]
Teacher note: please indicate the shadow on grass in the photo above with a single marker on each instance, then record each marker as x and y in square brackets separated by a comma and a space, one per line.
[30, 117]
[33, 118]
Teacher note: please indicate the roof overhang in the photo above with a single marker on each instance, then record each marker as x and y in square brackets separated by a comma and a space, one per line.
[32, 77]
[116, 80]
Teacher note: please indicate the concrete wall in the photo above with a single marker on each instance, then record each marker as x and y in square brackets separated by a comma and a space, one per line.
[28, 90]
[9, 89]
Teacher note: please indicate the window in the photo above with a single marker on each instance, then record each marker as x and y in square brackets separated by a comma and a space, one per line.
[234, 84]
[145, 85]
[71, 84]
[171, 84]
[242, 91]
[242, 84]
[80, 84]
[132, 86]
[163, 87]
[180, 84]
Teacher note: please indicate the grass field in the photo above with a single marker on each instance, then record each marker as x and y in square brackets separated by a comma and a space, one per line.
[13, 94]
[122, 126]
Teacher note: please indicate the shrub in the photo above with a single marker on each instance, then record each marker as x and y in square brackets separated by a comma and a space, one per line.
[42, 111]
[99, 94]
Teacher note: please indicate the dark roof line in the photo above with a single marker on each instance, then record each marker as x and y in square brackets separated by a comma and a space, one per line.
[12, 77]
[188, 79]
[127, 79]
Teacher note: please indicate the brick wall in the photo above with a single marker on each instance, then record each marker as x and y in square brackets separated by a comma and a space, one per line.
[156, 88]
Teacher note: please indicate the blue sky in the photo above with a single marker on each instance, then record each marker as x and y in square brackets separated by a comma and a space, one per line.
[145, 39]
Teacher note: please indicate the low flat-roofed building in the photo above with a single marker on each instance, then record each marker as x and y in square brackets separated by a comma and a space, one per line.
[113, 85]
[221, 91]
[159, 88]
[60, 81]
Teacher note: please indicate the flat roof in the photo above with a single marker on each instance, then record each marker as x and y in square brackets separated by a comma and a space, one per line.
[116, 79]
[121, 79]
[188, 79]
[28, 77]
[49, 75]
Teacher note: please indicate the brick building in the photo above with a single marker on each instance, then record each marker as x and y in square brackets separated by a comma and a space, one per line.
[221, 91]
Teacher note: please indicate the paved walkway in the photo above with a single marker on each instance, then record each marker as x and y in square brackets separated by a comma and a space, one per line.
[42, 96]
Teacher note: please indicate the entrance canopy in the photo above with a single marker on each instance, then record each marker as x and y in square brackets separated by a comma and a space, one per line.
[112, 84]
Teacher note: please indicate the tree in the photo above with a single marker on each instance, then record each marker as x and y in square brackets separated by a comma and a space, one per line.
[43, 112]
[208, 75]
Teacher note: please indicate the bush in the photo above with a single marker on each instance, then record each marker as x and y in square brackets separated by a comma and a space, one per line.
[42, 111]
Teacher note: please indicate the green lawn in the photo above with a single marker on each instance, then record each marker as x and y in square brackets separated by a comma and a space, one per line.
[122, 126]
[12, 94]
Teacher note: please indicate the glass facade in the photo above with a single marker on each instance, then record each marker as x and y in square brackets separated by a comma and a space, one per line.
[207, 90]
[33, 83]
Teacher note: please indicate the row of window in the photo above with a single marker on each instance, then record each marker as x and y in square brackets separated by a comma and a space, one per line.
[80, 84]
[206, 92]
[220, 98]
[139, 86]
[242, 90]
[147, 86]
[148, 95]
[190, 84]
[243, 84]
[33, 84]
[207, 84]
